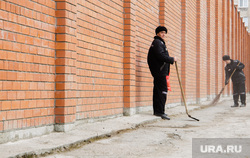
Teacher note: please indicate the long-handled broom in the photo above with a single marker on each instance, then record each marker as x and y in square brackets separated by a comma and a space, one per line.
[183, 97]
[217, 98]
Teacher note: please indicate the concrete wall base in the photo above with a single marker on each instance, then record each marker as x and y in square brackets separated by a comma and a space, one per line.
[64, 127]
[129, 111]
[25, 133]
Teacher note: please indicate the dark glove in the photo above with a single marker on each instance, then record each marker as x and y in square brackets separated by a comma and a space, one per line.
[226, 82]
[238, 68]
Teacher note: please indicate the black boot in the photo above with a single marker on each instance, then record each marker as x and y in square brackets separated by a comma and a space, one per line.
[235, 105]
[163, 116]
[243, 100]
[236, 99]
[243, 105]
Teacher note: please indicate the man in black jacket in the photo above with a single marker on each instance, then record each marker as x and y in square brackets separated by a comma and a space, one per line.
[159, 64]
[238, 79]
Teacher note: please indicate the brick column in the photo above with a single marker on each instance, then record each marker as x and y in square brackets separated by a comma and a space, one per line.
[217, 47]
[246, 56]
[162, 15]
[239, 37]
[183, 44]
[229, 16]
[198, 50]
[65, 94]
[242, 40]
[232, 39]
[233, 30]
[224, 37]
[129, 57]
[208, 49]
[236, 33]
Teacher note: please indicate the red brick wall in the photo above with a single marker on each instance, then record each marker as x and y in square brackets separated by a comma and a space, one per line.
[27, 63]
[147, 19]
[219, 52]
[190, 73]
[172, 21]
[203, 49]
[229, 35]
[212, 46]
[224, 36]
[129, 56]
[99, 58]
[189, 48]
[65, 61]
[65, 78]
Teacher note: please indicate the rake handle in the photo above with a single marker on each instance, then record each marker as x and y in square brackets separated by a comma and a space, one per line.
[182, 92]
[229, 79]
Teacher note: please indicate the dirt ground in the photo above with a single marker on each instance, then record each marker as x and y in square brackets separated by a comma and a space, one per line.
[170, 139]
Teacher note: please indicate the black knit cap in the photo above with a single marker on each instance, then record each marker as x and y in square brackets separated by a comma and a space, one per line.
[226, 57]
[160, 28]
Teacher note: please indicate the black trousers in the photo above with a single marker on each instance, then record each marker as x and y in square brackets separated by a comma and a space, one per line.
[159, 94]
[239, 90]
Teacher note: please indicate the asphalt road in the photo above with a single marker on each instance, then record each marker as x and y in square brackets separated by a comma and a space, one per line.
[170, 139]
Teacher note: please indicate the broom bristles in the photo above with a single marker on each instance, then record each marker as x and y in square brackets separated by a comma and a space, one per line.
[216, 99]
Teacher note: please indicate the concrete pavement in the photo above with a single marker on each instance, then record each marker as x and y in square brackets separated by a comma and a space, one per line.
[85, 133]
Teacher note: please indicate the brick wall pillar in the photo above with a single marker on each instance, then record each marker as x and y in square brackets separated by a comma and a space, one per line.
[217, 47]
[241, 38]
[183, 44]
[129, 57]
[162, 14]
[224, 37]
[232, 55]
[229, 16]
[208, 50]
[248, 59]
[236, 33]
[233, 30]
[65, 95]
[198, 50]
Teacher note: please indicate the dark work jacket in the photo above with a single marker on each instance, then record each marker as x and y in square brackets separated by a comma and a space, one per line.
[238, 75]
[158, 58]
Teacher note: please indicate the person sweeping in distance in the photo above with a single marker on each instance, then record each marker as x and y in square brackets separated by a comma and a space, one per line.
[159, 64]
[238, 79]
